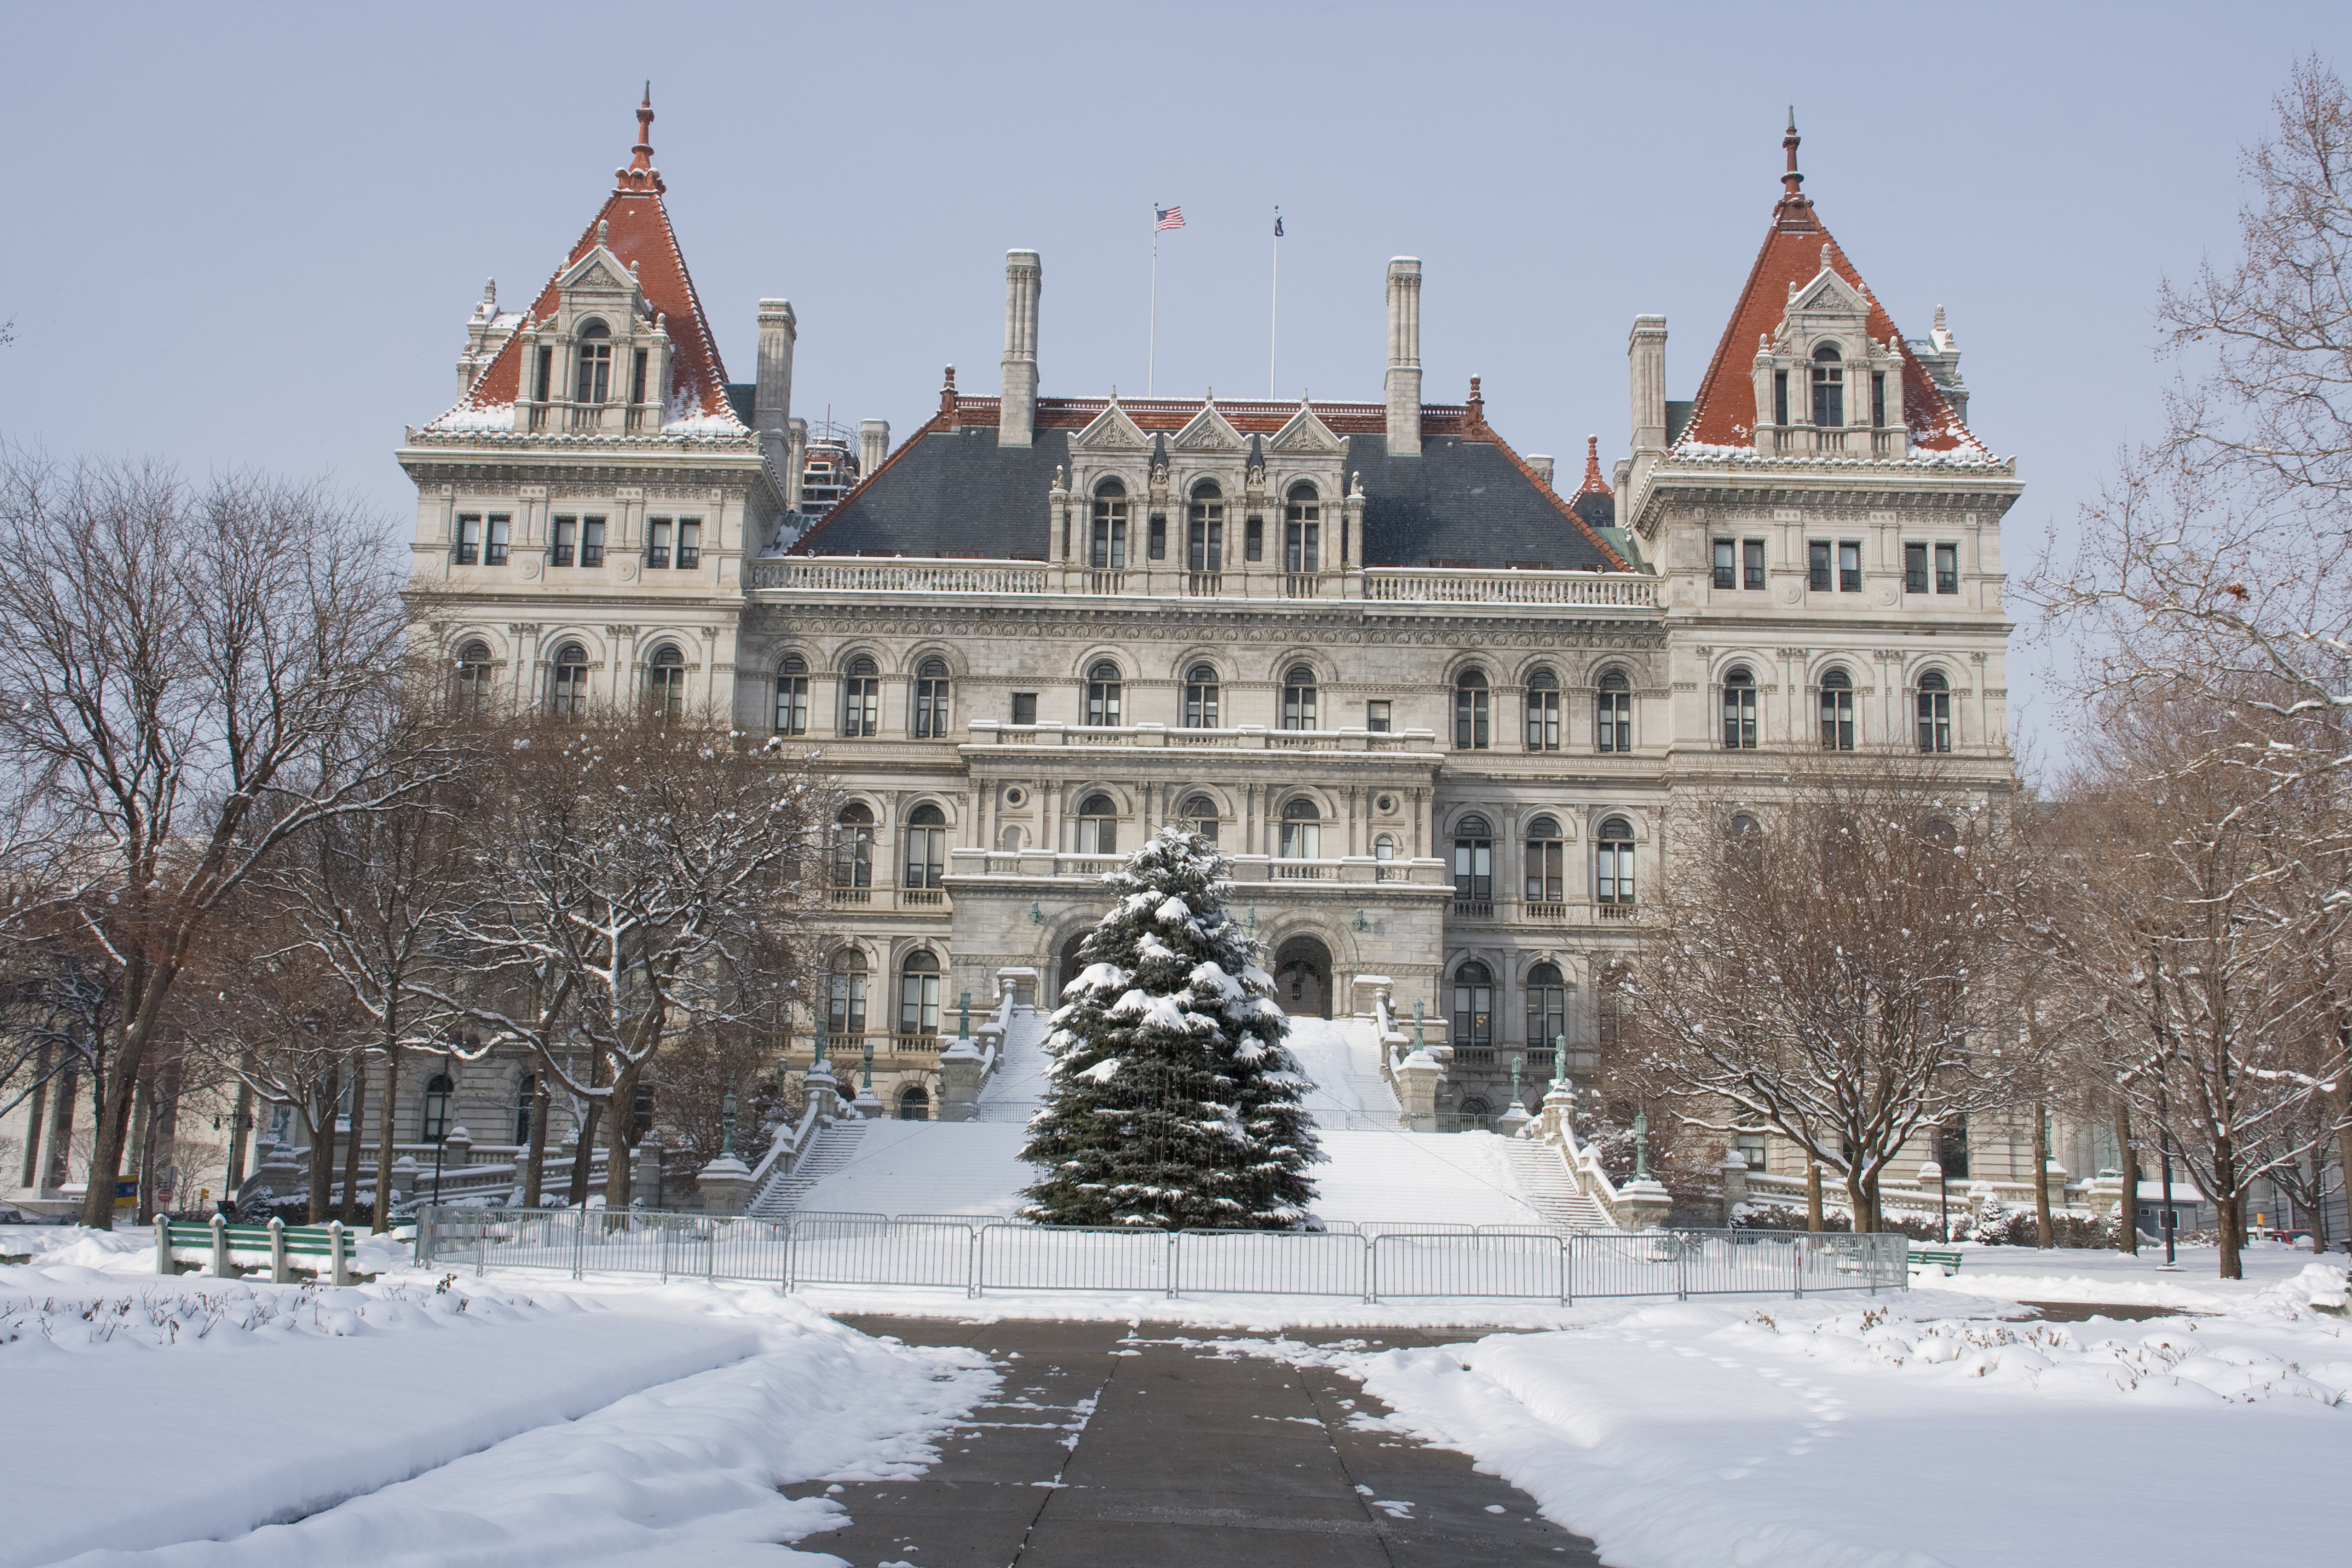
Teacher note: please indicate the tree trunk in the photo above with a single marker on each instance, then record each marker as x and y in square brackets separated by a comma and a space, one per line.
[62, 1127]
[2044, 1227]
[321, 1114]
[387, 1130]
[351, 1205]
[240, 1128]
[33, 1120]
[1857, 1201]
[2128, 1210]
[621, 1139]
[141, 1147]
[1813, 1195]
[534, 1178]
[584, 1146]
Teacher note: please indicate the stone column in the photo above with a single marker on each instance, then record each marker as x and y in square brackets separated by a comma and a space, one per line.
[725, 1184]
[1735, 1184]
[1417, 1078]
[960, 1070]
[1643, 1203]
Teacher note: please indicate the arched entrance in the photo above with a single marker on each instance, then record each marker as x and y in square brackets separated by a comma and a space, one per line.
[915, 1104]
[1302, 977]
[1065, 970]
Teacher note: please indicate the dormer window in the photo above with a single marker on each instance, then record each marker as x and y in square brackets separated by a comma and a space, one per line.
[1302, 541]
[1111, 526]
[594, 364]
[1205, 544]
[1829, 386]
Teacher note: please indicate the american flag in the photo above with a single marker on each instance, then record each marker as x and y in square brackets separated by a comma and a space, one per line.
[1169, 218]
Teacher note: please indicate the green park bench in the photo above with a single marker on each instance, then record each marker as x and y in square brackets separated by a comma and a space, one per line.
[323, 1251]
[1950, 1260]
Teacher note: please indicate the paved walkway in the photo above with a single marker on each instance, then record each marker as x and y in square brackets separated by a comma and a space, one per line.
[1112, 1446]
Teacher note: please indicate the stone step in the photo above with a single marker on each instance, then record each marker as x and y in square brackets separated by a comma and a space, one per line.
[834, 1148]
[1548, 1188]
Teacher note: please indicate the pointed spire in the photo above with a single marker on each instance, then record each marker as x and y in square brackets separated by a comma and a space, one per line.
[641, 174]
[1795, 214]
[1474, 413]
[1593, 485]
[948, 399]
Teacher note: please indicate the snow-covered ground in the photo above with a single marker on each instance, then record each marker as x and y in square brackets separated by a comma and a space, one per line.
[426, 1418]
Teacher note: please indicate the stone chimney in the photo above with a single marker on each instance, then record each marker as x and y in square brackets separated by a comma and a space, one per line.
[872, 445]
[1645, 353]
[772, 400]
[1404, 356]
[795, 461]
[1024, 279]
[1541, 463]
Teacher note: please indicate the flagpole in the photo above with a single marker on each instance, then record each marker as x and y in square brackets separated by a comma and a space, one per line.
[1274, 313]
[1152, 352]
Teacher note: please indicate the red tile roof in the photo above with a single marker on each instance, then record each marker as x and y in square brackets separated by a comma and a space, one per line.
[1724, 413]
[640, 235]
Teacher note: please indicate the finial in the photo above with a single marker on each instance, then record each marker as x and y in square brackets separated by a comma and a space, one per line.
[1791, 180]
[1826, 257]
[490, 298]
[1594, 485]
[948, 399]
[640, 174]
[604, 230]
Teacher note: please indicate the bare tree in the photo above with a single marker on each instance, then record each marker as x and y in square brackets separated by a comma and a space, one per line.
[195, 675]
[1825, 963]
[635, 881]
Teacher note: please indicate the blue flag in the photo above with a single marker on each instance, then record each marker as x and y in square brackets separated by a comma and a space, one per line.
[1277, 226]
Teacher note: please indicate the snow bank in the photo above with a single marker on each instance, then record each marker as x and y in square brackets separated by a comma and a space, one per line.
[927, 1167]
[688, 1471]
[1463, 1178]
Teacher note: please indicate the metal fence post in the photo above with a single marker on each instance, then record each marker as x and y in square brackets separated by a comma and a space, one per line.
[1369, 1286]
[1682, 1267]
[1175, 1239]
[979, 1261]
[1797, 1286]
[1568, 1250]
[578, 1241]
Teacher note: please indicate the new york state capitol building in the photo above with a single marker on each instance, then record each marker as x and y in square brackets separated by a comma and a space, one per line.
[1432, 703]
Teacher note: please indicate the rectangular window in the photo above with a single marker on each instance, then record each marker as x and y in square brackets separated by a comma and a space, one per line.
[657, 543]
[1878, 398]
[1948, 568]
[1849, 567]
[470, 539]
[1914, 568]
[791, 705]
[546, 374]
[1376, 717]
[1302, 547]
[1254, 540]
[1159, 536]
[689, 543]
[1780, 397]
[1727, 565]
[637, 378]
[493, 548]
[567, 534]
[1024, 708]
[1817, 565]
[1111, 544]
[1751, 554]
[591, 542]
[1208, 544]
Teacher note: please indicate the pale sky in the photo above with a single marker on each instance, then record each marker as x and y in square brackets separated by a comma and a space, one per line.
[248, 235]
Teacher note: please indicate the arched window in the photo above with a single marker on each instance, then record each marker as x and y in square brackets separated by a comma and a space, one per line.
[1201, 816]
[1935, 713]
[433, 1125]
[1201, 696]
[1837, 710]
[792, 696]
[1109, 551]
[1474, 859]
[593, 362]
[1543, 709]
[1547, 1007]
[918, 995]
[1738, 708]
[853, 846]
[1102, 695]
[914, 1103]
[567, 684]
[1612, 713]
[1829, 386]
[1205, 536]
[1547, 862]
[471, 690]
[1097, 827]
[1473, 1007]
[1302, 829]
[666, 682]
[1613, 862]
[927, 848]
[930, 715]
[1384, 849]
[844, 1008]
[1302, 539]
[1743, 842]
[1298, 697]
[1012, 838]
[526, 1093]
[861, 697]
[1472, 710]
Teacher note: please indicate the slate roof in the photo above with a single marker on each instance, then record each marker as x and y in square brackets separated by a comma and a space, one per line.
[1468, 499]
[1724, 413]
[640, 233]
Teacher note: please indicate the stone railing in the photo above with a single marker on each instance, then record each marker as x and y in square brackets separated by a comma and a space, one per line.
[1247, 738]
[1439, 585]
[1353, 869]
[856, 574]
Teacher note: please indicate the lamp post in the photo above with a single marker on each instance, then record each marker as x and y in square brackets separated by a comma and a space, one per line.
[963, 1016]
[726, 1126]
[1931, 1171]
[439, 1139]
[2166, 1220]
[1641, 1145]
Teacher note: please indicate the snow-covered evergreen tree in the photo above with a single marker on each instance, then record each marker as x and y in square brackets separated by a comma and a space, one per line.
[1174, 1103]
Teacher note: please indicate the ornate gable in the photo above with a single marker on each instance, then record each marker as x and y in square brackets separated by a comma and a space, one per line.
[1305, 436]
[1210, 431]
[1111, 431]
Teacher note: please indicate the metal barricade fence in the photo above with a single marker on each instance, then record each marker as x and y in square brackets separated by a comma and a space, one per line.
[1444, 1264]
[978, 1253]
[1272, 1263]
[1053, 1258]
[842, 1251]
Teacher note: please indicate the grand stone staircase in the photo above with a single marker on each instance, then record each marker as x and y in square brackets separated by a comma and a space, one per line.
[1017, 1087]
[1545, 1186]
[833, 1148]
